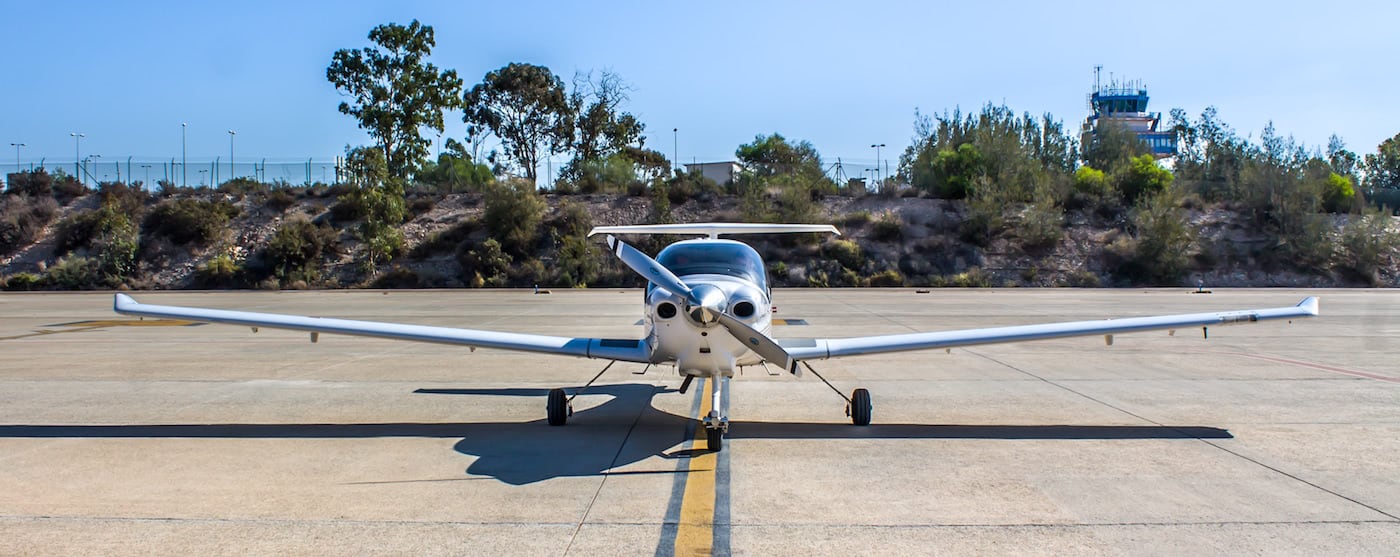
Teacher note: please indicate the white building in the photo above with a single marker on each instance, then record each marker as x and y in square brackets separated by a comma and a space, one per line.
[721, 172]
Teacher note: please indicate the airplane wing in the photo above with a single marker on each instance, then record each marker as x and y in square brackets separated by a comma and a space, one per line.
[627, 350]
[805, 349]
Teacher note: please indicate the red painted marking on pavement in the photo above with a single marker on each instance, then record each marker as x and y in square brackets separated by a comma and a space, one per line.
[1344, 371]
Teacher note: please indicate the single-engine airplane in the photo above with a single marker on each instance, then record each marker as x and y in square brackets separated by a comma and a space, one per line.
[708, 311]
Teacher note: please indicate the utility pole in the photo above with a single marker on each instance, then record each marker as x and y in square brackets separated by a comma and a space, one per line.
[231, 171]
[77, 172]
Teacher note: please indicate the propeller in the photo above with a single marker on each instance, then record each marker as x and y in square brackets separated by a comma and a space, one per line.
[706, 304]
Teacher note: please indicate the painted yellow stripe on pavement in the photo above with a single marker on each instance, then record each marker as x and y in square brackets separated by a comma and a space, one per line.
[695, 533]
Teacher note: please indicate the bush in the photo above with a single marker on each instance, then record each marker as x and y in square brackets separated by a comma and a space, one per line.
[889, 277]
[241, 186]
[845, 252]
[1143, 178]
[1367, 243]
[1092, 182]
[34, 184]
[21, 282]
[186, 221]
[221, 271]
[854, 220]
[513, 214]
[74, 273]
[107, 234]
[127, 199]
[1041, 226]
[398, 277]
[1159, 250]
[279, 200]
[420, 206]
[21, 219]
[886, 228]
[486, 265]
[297, 247]
[67, 188]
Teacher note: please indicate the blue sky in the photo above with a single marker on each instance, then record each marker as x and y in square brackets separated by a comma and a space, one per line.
[841, 75]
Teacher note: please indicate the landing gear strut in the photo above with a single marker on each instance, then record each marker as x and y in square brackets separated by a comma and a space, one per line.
[858, 405]
[560, 405]
[717, 421]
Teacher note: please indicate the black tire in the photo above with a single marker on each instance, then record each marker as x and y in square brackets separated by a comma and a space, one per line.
[714, 439]
[860, 407]
[557, 410]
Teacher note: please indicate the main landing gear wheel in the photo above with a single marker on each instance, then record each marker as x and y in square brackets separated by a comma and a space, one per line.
[714, 439]
[859, 410]
[557, 410]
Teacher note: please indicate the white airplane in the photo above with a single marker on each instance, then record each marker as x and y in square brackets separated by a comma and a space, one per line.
[708, 311]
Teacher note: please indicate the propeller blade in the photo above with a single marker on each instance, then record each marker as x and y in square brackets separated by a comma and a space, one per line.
[765, 347]
[647, 267]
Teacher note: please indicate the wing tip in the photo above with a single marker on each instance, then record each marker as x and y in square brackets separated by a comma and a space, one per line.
[1310, 305]
[122, 302]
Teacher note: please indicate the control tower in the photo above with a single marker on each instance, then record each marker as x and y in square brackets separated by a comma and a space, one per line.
[1124, 104]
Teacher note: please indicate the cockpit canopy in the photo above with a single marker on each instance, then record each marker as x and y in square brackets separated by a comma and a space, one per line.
[714, 257]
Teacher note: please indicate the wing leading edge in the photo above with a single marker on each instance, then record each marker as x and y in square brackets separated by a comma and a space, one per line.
[627, 350]
[804, 349]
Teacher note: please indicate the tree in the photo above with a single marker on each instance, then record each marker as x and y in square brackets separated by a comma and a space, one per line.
[396, 93]
[525, 106]
[600, 129]
[380, 198]
[1383, 167]
[772, 155]
[1143, 177]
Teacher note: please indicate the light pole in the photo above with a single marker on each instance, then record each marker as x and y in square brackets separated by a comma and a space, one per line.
[17, 163]
[147, 184]
[92, 159]
[77, 139]
[675, 148]
[231, 171]
[877, 147]
[202, 171]
[184, 169]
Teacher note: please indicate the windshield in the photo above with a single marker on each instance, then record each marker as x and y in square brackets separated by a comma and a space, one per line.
[716, 257]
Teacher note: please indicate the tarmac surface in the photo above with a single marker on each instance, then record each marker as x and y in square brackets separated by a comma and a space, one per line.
[120, 436]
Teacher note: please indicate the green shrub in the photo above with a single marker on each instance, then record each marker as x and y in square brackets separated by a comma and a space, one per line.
[887, 228]
[296, 249]
[220, 271]
[186, 221]
[1041, 226]
[1084, 278]
[854, 220]
[74, 273]
[20, 282]
[1092, 182]
[486, 262]
[845, 252]
[1143, 178]
[1338, 195]
[972, 278]
[1367, 243]
[513, 215]
[889, 277]
[128, 199]
[34, 184]
[279, 199]
[817, 279]
[421, 205]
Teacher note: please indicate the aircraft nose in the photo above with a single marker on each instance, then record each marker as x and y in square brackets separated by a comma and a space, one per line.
[712, 303]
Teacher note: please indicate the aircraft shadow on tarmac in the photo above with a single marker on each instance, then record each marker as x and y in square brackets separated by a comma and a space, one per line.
[623, 430]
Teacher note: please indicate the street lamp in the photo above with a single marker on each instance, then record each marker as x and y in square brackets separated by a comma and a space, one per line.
[231, 171]
[77, 138]
[93, 160]
[147, 183]
[675, 148]
[877, 147]
[184, 169]
[17, 163]
[202, 171]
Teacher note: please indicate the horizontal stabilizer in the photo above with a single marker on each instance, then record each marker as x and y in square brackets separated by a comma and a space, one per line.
[714, 229]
